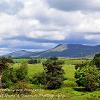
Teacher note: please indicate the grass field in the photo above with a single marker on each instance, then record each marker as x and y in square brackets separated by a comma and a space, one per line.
[69, 91]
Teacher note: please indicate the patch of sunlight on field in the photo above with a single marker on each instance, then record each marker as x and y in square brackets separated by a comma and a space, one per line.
[74, 61]
[21, 60]
[34, 68]
[69, 71]
[16, 65]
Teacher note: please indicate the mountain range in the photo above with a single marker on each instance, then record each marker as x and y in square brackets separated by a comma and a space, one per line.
[61, 50]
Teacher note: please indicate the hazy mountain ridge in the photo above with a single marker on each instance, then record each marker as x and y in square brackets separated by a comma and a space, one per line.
[62, 50]
[21, 53]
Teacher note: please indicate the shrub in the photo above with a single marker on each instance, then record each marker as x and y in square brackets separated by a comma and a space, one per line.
[22, 72]
[8, 77]
[22, 87]
[39, 79]
[88, 76]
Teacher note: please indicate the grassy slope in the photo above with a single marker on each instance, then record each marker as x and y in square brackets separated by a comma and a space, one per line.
[67, 90]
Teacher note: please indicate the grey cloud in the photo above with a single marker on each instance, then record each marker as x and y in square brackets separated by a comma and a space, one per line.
[29, 39]
[77, 39]
[73, 5]
[93, 33]
[25, 44]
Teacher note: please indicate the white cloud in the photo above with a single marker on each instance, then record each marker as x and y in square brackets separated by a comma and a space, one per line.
[56, 35]
[33, 7]
[73, 21]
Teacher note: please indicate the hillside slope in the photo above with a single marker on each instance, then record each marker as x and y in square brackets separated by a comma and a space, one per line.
[72, 51]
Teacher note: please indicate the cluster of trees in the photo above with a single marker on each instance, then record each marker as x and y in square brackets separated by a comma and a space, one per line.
[88, 74]
[16, 79]
[51, 77]
[11, 76]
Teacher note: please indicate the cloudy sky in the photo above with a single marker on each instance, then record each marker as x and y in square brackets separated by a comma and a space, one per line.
[37, 25]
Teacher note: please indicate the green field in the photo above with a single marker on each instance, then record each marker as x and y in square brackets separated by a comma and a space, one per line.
[69, 91]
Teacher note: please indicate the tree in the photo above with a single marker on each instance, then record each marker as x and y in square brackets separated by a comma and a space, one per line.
[96, 60]
[22, 72]
[11, 76]
[8, 77]
[34, 61]
[5, 63]
[88, 77]
[54, 73]
[79, 66]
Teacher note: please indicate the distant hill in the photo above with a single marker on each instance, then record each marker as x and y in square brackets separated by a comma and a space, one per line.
[21, 53]
[62, 50]
[72, 51]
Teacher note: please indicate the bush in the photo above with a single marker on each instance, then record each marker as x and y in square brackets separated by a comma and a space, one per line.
[39, 79]
[88, 76]
[8, 77]
[54, 73]
[22, 72]
[22, 87]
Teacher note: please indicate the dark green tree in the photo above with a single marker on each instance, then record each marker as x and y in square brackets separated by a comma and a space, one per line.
[54, 73]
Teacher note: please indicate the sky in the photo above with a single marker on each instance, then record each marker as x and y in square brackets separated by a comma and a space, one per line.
[37, 25]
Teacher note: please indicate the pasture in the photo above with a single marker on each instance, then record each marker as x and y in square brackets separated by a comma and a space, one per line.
[69, 91]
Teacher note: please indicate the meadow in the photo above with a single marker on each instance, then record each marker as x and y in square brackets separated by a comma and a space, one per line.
[69, 91]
